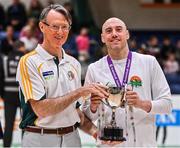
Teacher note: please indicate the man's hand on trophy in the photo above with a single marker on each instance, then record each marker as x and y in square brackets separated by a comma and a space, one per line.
[93, 89]
[106, 142]
[111, 143]
[133, 98]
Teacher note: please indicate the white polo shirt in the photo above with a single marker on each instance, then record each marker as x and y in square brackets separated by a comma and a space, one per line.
[146, 70]
[39, 76]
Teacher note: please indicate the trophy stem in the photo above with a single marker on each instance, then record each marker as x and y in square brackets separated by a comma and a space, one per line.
[113, 120]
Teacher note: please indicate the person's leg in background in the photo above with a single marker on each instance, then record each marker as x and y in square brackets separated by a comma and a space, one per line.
[10, 113]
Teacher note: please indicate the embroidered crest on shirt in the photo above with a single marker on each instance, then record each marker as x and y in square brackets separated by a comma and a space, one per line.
[48, 75]
[70, 75]
[135, 81]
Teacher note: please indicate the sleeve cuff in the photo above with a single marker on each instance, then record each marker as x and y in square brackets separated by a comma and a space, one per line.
[161, 107]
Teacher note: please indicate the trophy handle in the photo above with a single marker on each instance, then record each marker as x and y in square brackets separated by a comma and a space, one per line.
[106, 102]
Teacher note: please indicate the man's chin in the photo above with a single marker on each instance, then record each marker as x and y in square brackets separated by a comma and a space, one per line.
[59, 44]
[116, 47]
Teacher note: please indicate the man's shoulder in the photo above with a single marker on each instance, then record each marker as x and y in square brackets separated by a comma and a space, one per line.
[99, 63]
[31, 56]
[144, 57]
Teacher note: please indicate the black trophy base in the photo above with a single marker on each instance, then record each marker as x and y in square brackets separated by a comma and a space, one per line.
[112, 134]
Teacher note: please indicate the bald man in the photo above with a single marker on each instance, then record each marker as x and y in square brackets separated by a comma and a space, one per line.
[148, 93]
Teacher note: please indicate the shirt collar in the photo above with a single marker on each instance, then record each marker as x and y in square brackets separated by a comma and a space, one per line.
[45, 55]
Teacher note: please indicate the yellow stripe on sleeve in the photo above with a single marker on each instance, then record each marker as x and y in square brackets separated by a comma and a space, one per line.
[26, 82]
[23, 77]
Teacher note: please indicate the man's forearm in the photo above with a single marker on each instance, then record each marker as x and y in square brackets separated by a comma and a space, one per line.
[51, 106]
[88, 127]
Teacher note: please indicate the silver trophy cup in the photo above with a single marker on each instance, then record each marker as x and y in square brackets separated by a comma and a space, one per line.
[111, 131]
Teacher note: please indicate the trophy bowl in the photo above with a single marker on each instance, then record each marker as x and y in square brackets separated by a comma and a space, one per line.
[116, 99]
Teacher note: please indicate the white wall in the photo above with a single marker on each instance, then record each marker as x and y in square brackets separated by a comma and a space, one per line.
[135, 15]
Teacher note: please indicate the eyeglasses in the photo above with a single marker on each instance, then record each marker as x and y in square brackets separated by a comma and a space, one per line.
[64, 28]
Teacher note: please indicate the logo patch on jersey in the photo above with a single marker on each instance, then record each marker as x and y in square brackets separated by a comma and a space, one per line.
[135, 81]
[48, 75]
[70, 75]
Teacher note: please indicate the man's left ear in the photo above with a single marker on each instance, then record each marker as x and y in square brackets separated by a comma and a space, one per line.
[127, 34]
[41, 26]
[102, 38]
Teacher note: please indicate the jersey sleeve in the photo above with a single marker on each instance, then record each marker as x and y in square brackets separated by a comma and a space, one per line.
[29, 80]
[161, 96]
[89, 76]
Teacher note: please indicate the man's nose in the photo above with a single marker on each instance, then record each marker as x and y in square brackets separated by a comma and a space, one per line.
[114, 33]
[60, 29]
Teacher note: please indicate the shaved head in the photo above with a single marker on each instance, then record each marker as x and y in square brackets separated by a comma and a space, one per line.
[115, 35]
[113, 20]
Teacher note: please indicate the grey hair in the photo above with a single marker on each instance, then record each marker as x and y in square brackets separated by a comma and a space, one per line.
[57, 7]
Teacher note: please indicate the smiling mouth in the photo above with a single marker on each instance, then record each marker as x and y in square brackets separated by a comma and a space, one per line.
[115, 41]
[58, 37]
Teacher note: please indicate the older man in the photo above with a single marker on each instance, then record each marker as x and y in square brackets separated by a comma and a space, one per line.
[50, 86]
